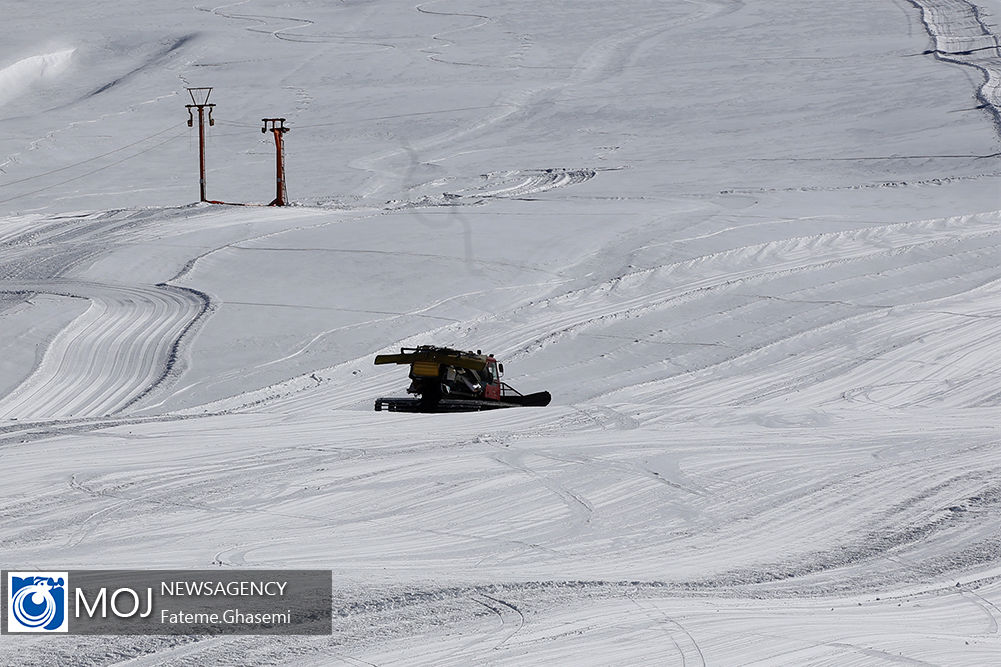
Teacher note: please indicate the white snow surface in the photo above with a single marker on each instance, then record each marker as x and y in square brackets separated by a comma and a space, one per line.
[752, 249]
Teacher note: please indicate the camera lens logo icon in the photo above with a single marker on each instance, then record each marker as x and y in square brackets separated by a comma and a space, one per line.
[36, 601]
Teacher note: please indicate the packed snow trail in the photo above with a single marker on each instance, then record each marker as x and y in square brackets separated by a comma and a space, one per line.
[129, 338]
[108, 356]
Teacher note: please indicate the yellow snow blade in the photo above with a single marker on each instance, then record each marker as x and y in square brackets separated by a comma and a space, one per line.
[476, 362]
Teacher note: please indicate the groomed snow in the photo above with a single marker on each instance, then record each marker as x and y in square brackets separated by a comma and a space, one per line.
[750, 248]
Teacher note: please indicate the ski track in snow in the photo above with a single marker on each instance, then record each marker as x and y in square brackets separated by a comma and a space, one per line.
[920, 516]
[289, 27]
[600, 61]
[805, 283]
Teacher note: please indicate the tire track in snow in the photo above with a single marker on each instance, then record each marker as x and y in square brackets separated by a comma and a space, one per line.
[504, 610]
[797, 286]
[940, 508]
[779, 495]
[912, 264]
[579, 509]
[944, 363]
[687, 647]
[40, 254]
[740, 265]
[512, 184]
[903, 267]
[863, 347]
[601, 61]
[525, 182]
[125, 343]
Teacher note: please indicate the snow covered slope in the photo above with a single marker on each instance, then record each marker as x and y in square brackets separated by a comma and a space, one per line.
[751, 249]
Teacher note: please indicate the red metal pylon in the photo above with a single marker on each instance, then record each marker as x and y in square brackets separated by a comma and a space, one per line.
[200, 99]
[277, 126]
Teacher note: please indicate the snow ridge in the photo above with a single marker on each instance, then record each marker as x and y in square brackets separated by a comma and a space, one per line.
[961, 36]
[15, 79]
